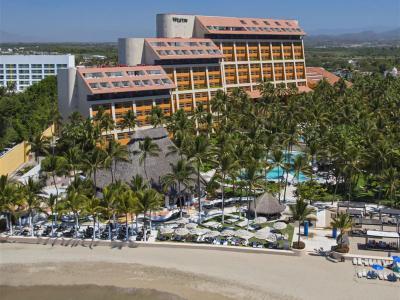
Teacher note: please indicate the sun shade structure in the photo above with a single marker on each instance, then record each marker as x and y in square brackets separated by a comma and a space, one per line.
[228, 232]
[166, 230]
[182, 221]
[212, 234]
[244, 234]
[100, 80]
[267, 204]
[280, 225]
[260, 220]
[181, 231]
[191, 225]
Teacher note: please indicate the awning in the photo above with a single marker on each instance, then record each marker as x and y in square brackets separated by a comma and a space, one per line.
[383, 234]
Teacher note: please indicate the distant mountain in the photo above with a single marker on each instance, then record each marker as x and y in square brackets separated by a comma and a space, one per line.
[369, 36]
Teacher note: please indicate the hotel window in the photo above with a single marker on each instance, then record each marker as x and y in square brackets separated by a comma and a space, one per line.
[37, 76]
[36, 71]
[277, 23]
[135, 73]
[23, 71]
[243, 22]
[154, 72]
[61, 66]
[49, 65]
[266, 23]
[36, 66]
[23, 76]
[23, 66]
[11, 66]
[50, 71]
[11, 77]
[24, 82]
[93, 85]
[157, 44]
[255, 22]
[114, 74]
[104, 84]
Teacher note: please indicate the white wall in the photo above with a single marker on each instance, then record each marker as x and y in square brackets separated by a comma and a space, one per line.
[175, 25]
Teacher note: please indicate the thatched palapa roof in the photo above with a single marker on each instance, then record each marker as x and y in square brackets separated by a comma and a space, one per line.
[267, 204]
[156, 166]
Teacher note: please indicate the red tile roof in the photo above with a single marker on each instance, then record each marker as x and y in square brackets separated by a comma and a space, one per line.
[183, 48]
[230, 25]
[125, 79]
[316, 74]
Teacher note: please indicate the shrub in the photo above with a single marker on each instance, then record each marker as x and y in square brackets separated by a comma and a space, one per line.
[299, 245]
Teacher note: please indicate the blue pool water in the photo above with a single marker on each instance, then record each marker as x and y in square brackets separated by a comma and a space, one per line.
[277, 172]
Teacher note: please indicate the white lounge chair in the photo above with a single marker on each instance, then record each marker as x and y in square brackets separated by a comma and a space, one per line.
[360, 262]
[380, 275]
[354, 261]
[385, 276]
[364, 273]
[370, 262]
[360, 274]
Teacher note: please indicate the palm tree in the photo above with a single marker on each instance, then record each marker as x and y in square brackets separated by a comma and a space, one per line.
[52, 204]
[199, 151]
[148, 200]
[252, 176]
[108, 204]
[300, 212]
[92, 207]
[73, 159]
[32, 195]
[300, 165]
[278, 161]
[126, 203]
[181, 175]
[342, 222]
[218, 103]
[128, 120]
[39, 145]
[157, 118]
[93, 161]
[147, 148]
[115, 153]
[10, 199]
[74, 202]
[55, 166]
[227, 162]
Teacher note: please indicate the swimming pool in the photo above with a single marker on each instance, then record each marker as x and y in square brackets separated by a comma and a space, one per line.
[279, 173]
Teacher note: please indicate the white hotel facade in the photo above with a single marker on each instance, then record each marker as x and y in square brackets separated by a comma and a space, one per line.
[26, 70]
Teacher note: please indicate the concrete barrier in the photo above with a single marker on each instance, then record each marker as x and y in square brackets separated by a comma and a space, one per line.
[121, 244]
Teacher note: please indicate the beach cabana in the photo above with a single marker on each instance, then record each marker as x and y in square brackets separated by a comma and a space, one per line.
[383, 234]
[267, 205]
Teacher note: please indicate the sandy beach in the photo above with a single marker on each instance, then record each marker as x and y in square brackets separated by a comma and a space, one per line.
[188, 273]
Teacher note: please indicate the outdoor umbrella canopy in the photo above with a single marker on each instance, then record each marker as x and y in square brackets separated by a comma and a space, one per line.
[396, 259]
[212, 234]
[198, 231]
[271, 238]
[280, 225]
[260, 220]
[377, 267]
[212, 224]
[191, 225]
[166, 230]
[181, 231]
[182, 221]
[261, 235]
[228, 232]
[244, 234]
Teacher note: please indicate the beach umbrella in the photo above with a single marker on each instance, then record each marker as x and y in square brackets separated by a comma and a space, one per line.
[260, 220]
[271, 238]
[191, 225]
[212, 224]
[181, 231]
[244, 234]
[228, 232]
[280, 225]
[212, 234]
[198, 231]
[166, 230]
[182, 221]
[261, 235]
[377, 267]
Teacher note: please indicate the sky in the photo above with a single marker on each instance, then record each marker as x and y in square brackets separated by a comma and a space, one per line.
[101, 20]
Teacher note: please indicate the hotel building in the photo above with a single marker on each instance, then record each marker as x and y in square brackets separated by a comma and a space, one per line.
[26, 70]
[195, 57]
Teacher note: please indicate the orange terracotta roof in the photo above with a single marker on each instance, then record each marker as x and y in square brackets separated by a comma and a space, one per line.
[101, 80]
[183, 48]
[316, 74]
[230, 25]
